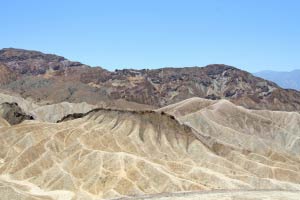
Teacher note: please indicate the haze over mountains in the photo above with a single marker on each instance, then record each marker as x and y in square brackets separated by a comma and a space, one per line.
[288, 80]
[69, 131]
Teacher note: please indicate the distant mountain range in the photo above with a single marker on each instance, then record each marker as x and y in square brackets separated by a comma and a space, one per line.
[48, 79]
[287, 80]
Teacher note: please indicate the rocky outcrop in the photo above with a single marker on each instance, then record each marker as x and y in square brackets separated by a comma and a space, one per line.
[33, 62]
[13, 114]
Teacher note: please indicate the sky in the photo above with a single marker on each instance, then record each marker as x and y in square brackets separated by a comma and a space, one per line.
[253, 35]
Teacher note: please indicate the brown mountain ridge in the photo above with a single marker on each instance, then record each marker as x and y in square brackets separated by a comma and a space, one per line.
[48, 78]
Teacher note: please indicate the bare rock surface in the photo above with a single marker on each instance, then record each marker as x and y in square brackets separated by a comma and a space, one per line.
[54, 79]
[13, 114]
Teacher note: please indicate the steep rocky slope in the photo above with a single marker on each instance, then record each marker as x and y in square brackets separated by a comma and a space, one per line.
[6, 75]
[106, 153]
[51, 79]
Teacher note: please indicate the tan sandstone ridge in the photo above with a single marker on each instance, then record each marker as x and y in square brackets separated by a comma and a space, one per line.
[54, 112]
[104, 153]
[47, 113]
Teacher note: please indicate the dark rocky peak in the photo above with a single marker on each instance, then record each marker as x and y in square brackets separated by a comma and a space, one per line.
[13, 114]
[25, 62]
[12, 54]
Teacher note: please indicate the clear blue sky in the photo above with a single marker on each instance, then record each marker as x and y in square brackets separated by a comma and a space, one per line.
[252, 35]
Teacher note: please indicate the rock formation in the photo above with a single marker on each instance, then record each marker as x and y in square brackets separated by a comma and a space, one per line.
[13, 114]
[48, 78]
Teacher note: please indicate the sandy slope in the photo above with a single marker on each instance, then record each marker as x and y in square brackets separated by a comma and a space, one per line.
[111, 153]
[3, 122]
[223, 195]
[54, 112]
